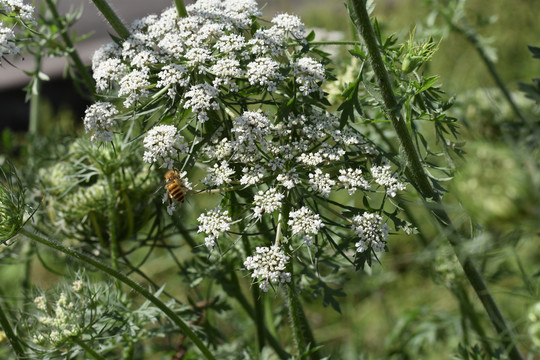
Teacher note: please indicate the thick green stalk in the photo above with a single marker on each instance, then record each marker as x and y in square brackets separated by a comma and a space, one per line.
[112, 18]
[180, 8]
[301, 330]
[420, 179]
[10, 334]
[126, 280]
[73, 54]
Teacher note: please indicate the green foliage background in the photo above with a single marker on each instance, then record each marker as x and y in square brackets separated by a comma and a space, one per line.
[402, 309]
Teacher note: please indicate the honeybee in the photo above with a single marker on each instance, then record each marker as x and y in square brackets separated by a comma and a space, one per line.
[175, 185]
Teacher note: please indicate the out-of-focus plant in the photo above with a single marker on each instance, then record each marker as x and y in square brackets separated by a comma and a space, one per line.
[234, 109]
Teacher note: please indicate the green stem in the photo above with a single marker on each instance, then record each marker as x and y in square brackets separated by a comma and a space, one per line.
[251, 312]
[180, 8]
[365, 29]
[299, 325]
[126, 280]
[87, 348]
[112, 18]
[73, 54]
[111, 215]
[419, 177]
[10, 334]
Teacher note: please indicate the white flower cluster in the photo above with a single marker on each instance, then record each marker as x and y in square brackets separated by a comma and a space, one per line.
[162, 143]
[321, 182]
[201, 99]
[213, 223]
[211, 46]
[308, 73]
[24, 11]
[134, 86]
[383, 176]
[352, 179]
[218, 175]
[268, 266]
[304, 222]
[7, 42]
[99, 121]
[372, 232]
[267, 201]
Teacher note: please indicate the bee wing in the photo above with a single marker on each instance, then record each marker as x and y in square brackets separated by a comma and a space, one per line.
[160, 187]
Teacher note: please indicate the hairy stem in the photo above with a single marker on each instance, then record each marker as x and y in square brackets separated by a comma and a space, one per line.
[180, 8]
[300, 328]
[85, 259]
[112, 18]
[420, 179]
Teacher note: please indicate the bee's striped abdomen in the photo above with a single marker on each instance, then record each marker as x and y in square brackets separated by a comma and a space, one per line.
[176, 191]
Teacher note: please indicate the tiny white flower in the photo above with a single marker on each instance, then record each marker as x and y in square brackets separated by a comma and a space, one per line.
[7, 42]
[268, 265]
[289, 179]
[162, 143]
[252, 175]
[383, 176]
[218, 175]
[201, 99]
[134, 86]
[352, 179]
[371, 231]
[267, 201]
[308, 73]
[99, 121]
[213, 223]
[304, 222]
[321, 182]
[264, 72]
[77, 285]
[41, 303]
[290, 23]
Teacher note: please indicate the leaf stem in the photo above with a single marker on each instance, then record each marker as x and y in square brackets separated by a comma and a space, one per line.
[126, 280]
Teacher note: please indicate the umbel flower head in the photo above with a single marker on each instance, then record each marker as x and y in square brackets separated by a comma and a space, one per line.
[242, 100]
